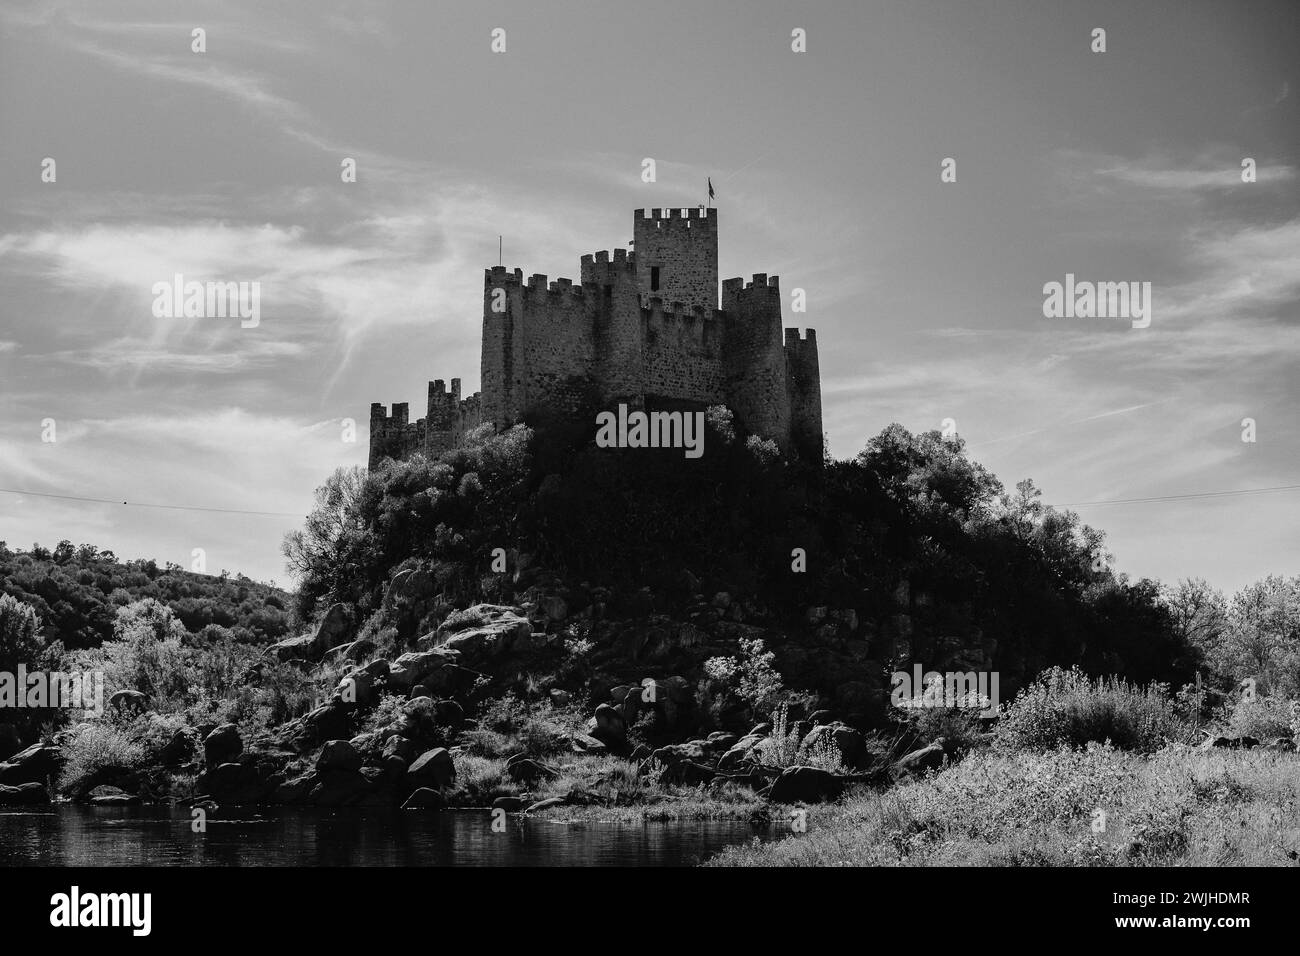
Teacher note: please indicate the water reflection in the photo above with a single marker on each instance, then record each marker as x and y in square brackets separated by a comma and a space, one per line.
[160, 836]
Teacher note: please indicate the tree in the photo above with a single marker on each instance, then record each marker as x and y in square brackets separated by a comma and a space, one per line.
[19, 625]
[1200, 615]
[333, 551]
[147, 618]
[929, 471]
[1263, 635]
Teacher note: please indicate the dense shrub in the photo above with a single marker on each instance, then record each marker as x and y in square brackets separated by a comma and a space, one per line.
[93, 745]
[203, 678]
[1068, 709]
[507, 726]
[1261, 717]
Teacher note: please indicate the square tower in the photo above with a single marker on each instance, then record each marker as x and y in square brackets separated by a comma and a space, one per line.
[677, 256]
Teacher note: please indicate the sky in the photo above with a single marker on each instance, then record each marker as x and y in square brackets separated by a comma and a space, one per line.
[927, 296]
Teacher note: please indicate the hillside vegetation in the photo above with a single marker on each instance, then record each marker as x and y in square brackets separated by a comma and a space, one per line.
[907, 552]
[532, 623]
[76, 590]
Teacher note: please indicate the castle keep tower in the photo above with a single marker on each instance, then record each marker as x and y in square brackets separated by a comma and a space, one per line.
[640, 327]
[677, 256]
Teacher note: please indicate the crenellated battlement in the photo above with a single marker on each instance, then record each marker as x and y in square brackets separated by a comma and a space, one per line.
[600, 270]
[768, 285]
[675, 214]
[799, 339]
[642, 326]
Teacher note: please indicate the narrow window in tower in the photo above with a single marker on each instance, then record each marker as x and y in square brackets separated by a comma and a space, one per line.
[654, 278]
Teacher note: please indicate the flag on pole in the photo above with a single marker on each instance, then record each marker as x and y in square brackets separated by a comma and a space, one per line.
[710, 189]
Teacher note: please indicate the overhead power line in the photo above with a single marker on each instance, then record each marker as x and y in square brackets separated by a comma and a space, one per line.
[1202, 494]
[141, 504]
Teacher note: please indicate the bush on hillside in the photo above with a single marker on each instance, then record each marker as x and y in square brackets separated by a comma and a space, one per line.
[1067, 708]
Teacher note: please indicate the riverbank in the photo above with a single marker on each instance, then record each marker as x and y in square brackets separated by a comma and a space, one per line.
[1100, 807]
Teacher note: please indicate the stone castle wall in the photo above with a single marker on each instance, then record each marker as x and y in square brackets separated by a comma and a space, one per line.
[625, 334]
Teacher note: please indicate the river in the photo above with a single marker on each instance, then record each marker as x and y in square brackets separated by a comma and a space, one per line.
[67, 835]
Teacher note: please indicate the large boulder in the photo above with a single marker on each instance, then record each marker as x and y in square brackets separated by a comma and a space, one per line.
[739, 752]
[114, 797]
[327, 722]
[294, 648]
[805, 785]
[24, 795]
[414, 667]
[295, 790]
[356, 688]
[338, 755]
[400, 748]
[481, 632]
[450, 714]
[222, 745]
[523, 769]
[378, 669]
[425, 799]
[930, 757]
[338, 788]
[694, 751]
[36, 764]
[610, 728]
[409, 588]
[433, 769]
[129, 700]
[586, 744]
[178, 750]
[546, 804]
[631, 703]
[334, 629]
[231, 783]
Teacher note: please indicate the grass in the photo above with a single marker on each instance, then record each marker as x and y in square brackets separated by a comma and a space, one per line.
[1176, 807]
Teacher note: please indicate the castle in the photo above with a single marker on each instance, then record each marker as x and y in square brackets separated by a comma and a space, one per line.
[642, 327]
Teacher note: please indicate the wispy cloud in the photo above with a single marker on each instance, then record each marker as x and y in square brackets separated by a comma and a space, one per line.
[1224, 177]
